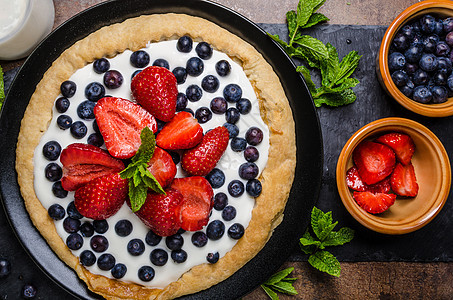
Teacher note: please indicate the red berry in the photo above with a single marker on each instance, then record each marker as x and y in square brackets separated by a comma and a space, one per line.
[182, 132]
[403, 180]
[355, 183]
[374, 203]
[402, 144]
[162, 167]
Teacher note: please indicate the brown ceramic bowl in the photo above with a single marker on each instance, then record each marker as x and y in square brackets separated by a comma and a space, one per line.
[441, 8]
[432, 169]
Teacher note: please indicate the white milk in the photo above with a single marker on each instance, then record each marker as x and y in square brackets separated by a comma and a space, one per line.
[23, 24]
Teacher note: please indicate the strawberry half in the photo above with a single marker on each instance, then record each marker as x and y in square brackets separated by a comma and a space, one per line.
[120, 122]
[197, 203]
[83, 163]
[374, 203]
[403, 180]
[162, 167]
[102, 197]
[402, 144]
[355, 183]
[204, 157]
[162, 213]
[155, 88]
[374, 161]
[182, 132]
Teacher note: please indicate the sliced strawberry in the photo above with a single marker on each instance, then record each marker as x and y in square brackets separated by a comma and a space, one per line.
[162, 213]
[204, 157]
[162, 167]
[83, 163]
[374, 161]
[374, 203]
[102, 197]
[355, 183]
[121, 122]
[155, 88]
[402, 144]
[403, 180]
[197, 203]
[182, 132]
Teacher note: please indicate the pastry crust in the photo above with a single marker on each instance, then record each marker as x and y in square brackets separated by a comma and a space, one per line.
[276, 178]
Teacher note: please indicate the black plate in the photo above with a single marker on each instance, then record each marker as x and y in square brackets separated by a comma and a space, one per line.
[307, 183]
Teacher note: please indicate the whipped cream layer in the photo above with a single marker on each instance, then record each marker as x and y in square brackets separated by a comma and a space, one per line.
[229, 164]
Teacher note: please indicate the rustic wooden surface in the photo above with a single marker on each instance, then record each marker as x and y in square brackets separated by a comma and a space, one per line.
[360, 280]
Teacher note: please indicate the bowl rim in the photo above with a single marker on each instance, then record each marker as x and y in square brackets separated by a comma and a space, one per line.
[430, 110]
[372, 221]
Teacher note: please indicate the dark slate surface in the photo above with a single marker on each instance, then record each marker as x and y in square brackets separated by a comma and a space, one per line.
[434, 242]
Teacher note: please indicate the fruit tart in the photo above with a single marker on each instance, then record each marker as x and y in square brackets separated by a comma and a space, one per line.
[157, 160]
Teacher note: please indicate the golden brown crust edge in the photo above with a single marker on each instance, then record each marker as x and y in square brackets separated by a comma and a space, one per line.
[276, 178]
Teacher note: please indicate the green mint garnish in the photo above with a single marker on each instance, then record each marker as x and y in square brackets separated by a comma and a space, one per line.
[279, 282]
[2, 88]
[336, 84]
[322, 226]
[139, 177]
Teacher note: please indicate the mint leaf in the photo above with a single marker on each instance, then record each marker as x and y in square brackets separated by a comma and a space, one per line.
[348, 66]
[146, 150]
[320, 220]
[305, 9]
[324, 261]
[335, 99]
[279, 282]
[273, 295]
[338, 238]
[308, 244]
[330, 67]
[279, 276]
[306, 73]
[313, 49]
[285, 287]
[2, 88]
[137, 195]
[291, 19]
[315, 19]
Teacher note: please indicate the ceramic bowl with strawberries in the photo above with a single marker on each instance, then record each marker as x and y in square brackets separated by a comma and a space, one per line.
[393, 175]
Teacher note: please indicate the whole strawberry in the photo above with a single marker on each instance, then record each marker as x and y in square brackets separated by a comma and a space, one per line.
[204, 157]
[102, 197]
[155, 89]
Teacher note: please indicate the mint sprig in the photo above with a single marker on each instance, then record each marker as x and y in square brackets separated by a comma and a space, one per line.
[322, 226]
[140, 179]
[2, 88]
[279, 282]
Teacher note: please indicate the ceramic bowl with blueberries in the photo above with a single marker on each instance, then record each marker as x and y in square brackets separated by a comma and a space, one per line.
[415, 58]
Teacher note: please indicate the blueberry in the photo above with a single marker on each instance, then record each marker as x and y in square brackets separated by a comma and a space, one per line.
[139, 59]
[204, 50]
[251, 154]
[408, 31]
[218, 105]
[101, 226]
[397, 61]
[56, 212]
[400, 78]
[160, 125]
[53, 172]
[181, 102]
[229, 213]
[220, 201]
[215, 230]
[119, 270]
[449, 39]
[248, 170]
[78, 129]
[106, 261]
[427, 24]
[212, 257]
[442, 49]
[232, 93]
[428, 62]
[439, 27]
[123, 227]
[450, 82]
[174, 242]
[422, 94]
[236, 188]
[62, 104]
[448, 24]
[440, 94]
[410, 68]
[101, 65]
[85, 110]
[216, 178]
[94, 91]
[146, 273]
[29, 291]
[223, 68]
[99, 243]
[87, 258]
[58, 191]
[96, 127]
[232, 115]
[430, 42]
[158, 257]
[136, 247]
[203, 115]
[199, 239]
[87, 229]
[194, 93]
[160, 62]
[233, 130]
[175, 157]
[51, 150]
[152, 239]
[253, 187]
[180, 74]
[179, 256]
[210, 83]
[254, 136]
[408, 89]
[135, 73]
[238, 144]
[74, 241]
[244, 106]
[440, 78]
[184, 44]
[420, 77]
[189, 111]
[413, 53]
[95, 139]
[400, 42]
[194, 66]
[113, 79]
[236, 231]
[68, 88]
[444, 65]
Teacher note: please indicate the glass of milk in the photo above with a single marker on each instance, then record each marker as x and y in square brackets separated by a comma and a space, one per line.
[23, 24]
